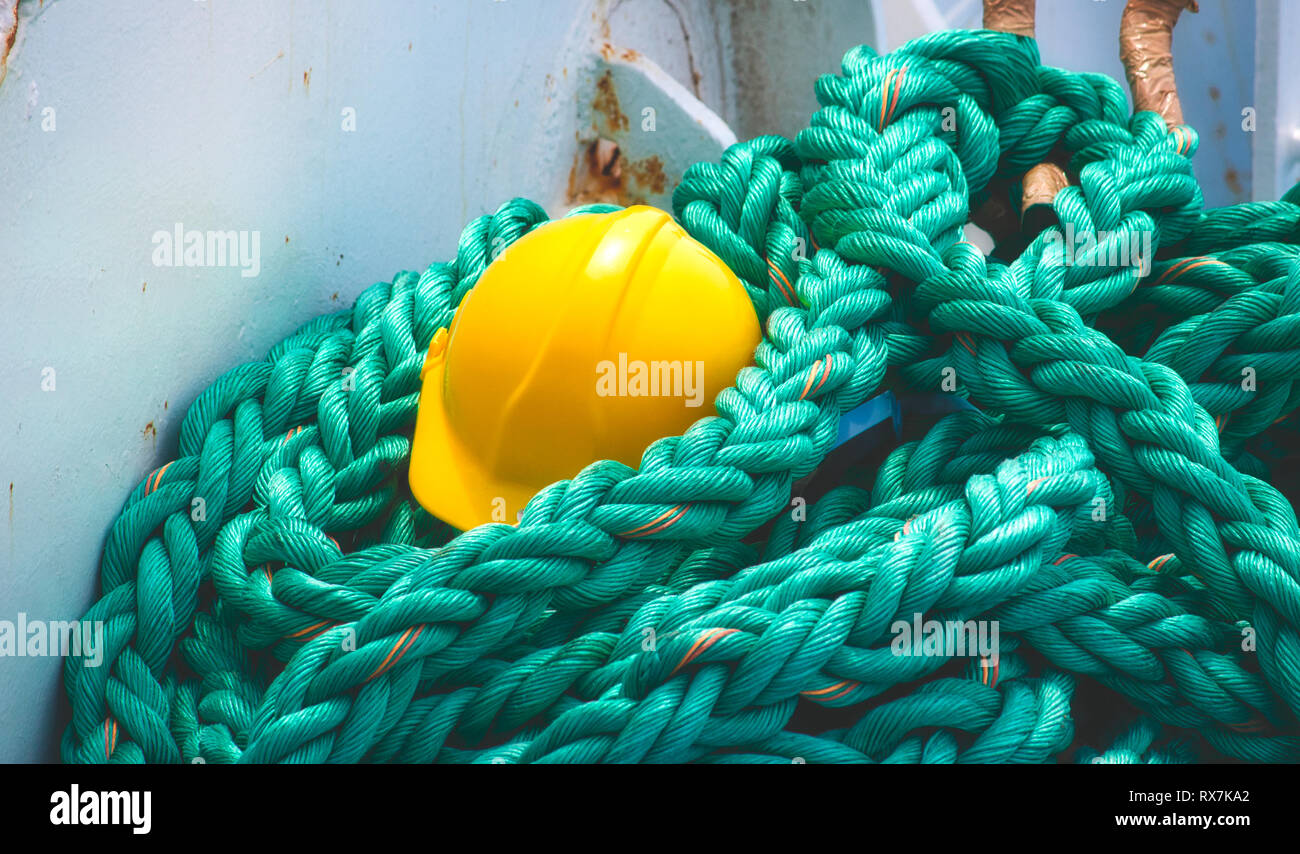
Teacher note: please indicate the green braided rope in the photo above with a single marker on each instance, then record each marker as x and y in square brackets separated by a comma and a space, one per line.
[737, 605]
[320, 615]
[1137, 746]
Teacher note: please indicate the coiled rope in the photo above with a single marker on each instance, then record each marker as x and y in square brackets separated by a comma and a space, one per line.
[1107, 505]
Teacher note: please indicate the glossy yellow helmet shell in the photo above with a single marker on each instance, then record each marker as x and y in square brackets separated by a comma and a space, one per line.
[587, 339]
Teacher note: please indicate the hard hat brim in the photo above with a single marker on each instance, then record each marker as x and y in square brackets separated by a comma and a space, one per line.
[444, 476]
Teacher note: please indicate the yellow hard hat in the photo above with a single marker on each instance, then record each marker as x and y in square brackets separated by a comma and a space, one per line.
[587, 339]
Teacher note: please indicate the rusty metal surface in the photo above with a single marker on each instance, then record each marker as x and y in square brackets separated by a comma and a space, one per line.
[638, 130]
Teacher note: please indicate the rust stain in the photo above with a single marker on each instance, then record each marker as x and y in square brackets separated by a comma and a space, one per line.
[572, 193]
[696, 77]
[306, 80]
[8, 44]
[601, 173]
[335, 296]
[164, 404]
[150, 432]
[1233, 180]
[1214, 93]
[649, 173]
[143, 286]
[606, 103]
[594, 175]
[608, 51]
[269, 63]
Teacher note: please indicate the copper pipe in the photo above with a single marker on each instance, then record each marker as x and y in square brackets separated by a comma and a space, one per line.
[1041, 183]
[1038, 190]
[1146, 35]
[1010, 16]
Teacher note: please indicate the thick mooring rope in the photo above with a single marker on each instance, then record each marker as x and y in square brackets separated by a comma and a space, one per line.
[274, 594]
